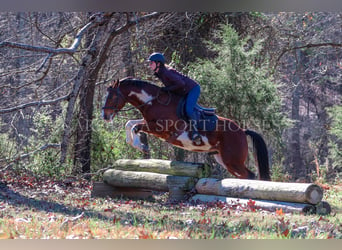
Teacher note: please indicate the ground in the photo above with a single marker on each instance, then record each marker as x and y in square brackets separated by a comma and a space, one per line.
[44, 208]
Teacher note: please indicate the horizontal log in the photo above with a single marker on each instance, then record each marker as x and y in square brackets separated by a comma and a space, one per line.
[287, 207]
[178, 168]
[153, 181]
[264, 190]
[101, 189]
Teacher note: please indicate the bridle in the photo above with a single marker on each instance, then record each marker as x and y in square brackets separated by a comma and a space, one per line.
[118, 93]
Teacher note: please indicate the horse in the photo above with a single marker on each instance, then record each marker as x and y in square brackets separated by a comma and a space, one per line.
[161, 118]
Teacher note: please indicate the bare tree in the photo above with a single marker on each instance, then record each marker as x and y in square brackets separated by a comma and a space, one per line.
[97, 35]
[310, 48]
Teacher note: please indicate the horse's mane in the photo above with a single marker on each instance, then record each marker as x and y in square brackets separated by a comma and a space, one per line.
[137, 82]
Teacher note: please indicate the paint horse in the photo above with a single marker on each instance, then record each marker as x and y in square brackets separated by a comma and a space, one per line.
[162, 118]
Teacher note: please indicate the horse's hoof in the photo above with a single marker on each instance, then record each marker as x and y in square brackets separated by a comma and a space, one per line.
[145, 149]
[136, 129]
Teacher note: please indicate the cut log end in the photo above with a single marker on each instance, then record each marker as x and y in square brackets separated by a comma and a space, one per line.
[314, 194]
[323, 208]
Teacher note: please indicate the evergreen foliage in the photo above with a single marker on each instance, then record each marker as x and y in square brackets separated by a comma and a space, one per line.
[109, 142]
[239, 88]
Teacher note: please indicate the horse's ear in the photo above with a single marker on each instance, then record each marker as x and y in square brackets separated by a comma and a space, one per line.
[114, 84]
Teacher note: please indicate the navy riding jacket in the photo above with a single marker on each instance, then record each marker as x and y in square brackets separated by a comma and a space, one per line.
[175, 81]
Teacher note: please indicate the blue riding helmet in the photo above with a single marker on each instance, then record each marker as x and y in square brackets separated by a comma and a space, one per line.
[157, 57]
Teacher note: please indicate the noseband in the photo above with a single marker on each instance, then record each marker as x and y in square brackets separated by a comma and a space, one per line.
[118, 93]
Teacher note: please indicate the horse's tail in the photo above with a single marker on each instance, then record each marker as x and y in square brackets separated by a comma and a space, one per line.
[261, 154]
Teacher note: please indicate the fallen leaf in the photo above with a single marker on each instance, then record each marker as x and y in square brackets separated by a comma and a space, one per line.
[279, 211]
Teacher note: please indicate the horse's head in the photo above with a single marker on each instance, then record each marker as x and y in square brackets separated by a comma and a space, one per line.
[114, 102]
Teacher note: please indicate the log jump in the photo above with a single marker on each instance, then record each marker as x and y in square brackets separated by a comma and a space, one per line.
[139, 178]
[264, 190]
[177, 168]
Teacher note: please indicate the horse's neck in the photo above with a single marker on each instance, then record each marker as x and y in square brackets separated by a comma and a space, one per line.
[138, 96]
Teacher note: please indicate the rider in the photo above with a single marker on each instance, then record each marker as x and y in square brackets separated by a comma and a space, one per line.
[180, 84]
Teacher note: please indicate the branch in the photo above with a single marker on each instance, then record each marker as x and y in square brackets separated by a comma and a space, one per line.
[23, 156]
[49, 50]
[310, 45]
[96, 19]
[49, 56]
[130, 23]
[38, 103]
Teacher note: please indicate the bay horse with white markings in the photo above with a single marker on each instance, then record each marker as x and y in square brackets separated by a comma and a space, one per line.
[162, 118]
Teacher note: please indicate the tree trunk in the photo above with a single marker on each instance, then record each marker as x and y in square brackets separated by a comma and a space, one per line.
[24, 118]
[295, 149]
[295, 157]
[129, 71]
[84, 82]
[179, 154]
[84, 123]
[82, 157]
[127, 54]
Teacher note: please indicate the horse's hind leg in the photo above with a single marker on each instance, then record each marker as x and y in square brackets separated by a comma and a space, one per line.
[237, 169]
[133, 137]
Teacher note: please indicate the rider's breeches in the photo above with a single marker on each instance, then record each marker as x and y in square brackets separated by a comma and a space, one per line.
[191, 101]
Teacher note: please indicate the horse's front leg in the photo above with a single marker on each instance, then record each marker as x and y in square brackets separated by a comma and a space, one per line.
[133, 128]
[129, 130]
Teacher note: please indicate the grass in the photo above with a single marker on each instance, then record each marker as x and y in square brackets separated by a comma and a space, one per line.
[41, 208]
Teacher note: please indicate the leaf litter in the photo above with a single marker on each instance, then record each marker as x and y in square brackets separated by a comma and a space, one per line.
[45, 208]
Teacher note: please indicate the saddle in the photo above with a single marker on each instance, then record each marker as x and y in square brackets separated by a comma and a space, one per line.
[205, 117]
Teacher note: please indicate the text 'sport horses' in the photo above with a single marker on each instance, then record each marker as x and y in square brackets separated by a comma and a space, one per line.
[161, 115]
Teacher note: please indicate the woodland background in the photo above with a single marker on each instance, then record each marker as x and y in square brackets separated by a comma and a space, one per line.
[276, 73]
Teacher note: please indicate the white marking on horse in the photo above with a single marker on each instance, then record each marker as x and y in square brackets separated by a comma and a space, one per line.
[143, 96]
[237, 174]
[219, 160]
[189, 145]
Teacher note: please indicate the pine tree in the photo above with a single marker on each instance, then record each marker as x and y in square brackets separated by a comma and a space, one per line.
[235, 83]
